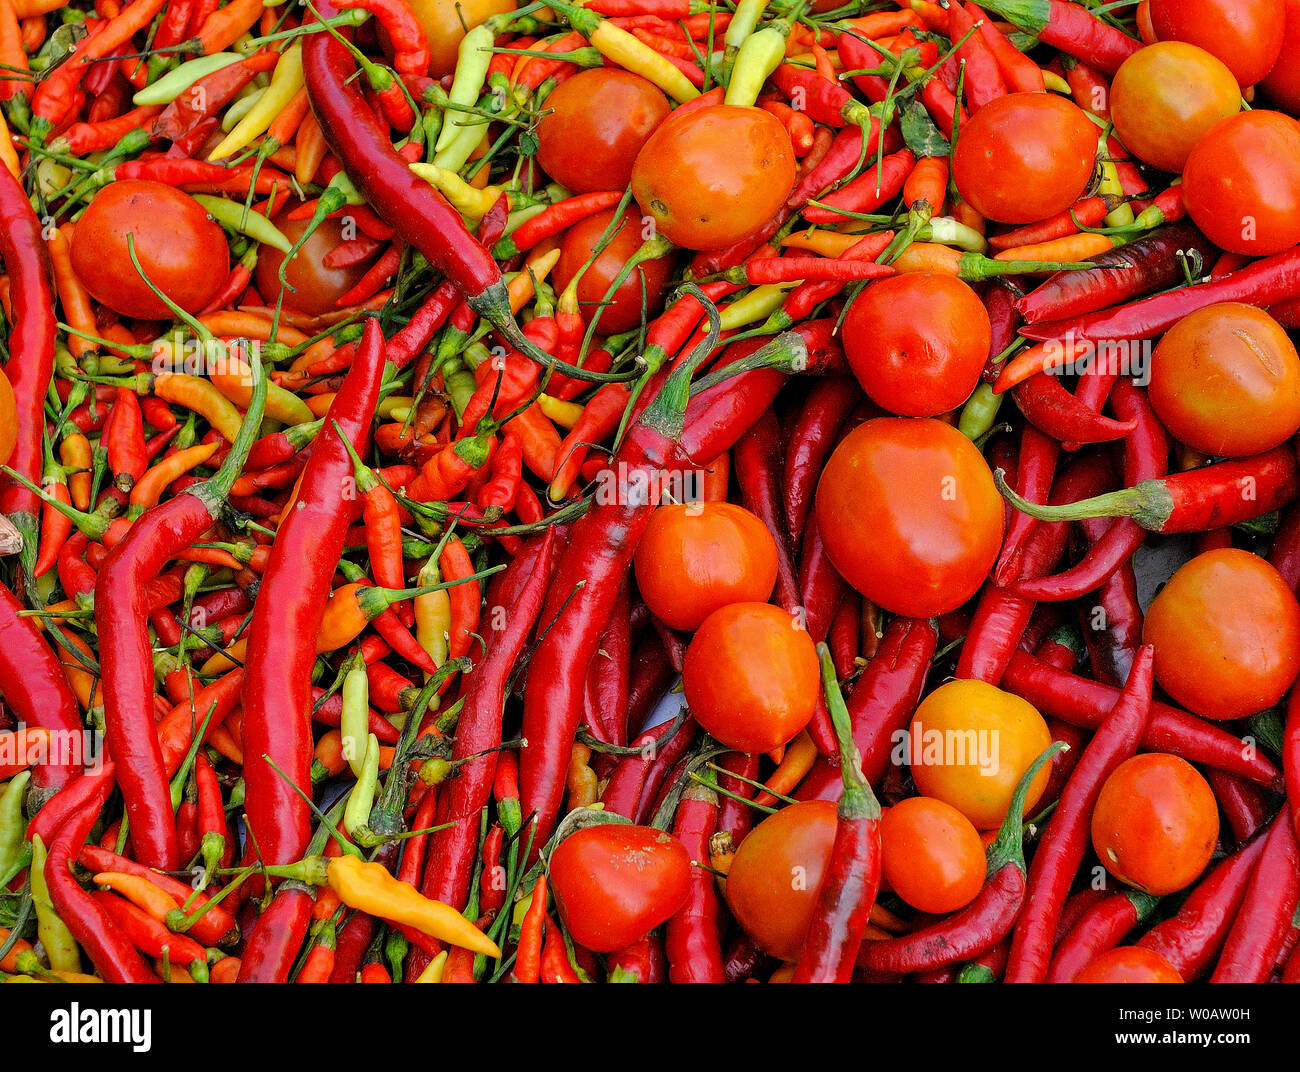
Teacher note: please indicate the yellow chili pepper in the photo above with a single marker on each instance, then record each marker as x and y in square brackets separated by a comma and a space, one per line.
[466, 199]
[433, 973]
[60, 947]
[203, 398]
[433, 614]
[286, 80]
[758, 304]
[629, 53]
[7, 151]
[824, 243]
[234, 380]
[565, 414]
[522, 285]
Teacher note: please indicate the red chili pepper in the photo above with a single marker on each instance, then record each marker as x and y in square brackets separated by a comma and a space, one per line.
[1100, 929]
[1068, 418]
[873, 188]
[276, 938]
[757, 459]
[528, 956]
[1035, 470]
[1070, 27]
[983, 81]
[691, 937]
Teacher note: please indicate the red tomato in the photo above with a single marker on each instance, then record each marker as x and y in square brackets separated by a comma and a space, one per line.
[317, 287]
[1282, 83]
[932, 856]
[613, 883]
[1129, 964]
[714, 175]
[694, 559]
[182, 251]
[624, 312]
[1226, 630]
[595, 125]
[1024, 157]
[1225, 380]
[751, 676]
[1242, 183]
[1165, 96]
[1245, 34]
[917, 343]
[1155, 823]
[910, 515]
[777, 872]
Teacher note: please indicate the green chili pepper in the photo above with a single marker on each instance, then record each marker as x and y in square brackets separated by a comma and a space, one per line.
[237, 217]
[174, 83]
[354, 722]
[13, 844]
[60, 946]
[356, 815]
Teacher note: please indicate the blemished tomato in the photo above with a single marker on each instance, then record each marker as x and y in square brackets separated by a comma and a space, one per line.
[1129, 964]
[1282, 84]
[624, 311]
[445, 23]
[595, 125]
[910, 515]
[931, 855]
[1155, 823]
[969, 745]
[1241, 183]
[695, 559]
[8, 419]
[182, 251]
[1245, 34]
[713, 176]
[1225, 380]
[1165, 96]
[317, 287]
[751, 676]
[1024, 157]
[777, 872]
[613, 883]
[1226, 630]
[917, 343]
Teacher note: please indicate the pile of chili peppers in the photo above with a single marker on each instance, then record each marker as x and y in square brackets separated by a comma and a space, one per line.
[354, 628]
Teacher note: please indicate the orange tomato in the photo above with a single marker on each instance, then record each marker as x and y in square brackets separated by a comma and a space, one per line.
[1129, 964]
[445, 23]
[931, 855]
[1245, 34]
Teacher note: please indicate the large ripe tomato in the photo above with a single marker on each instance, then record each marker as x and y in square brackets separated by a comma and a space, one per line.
[182, 251]
[613, 883]
[1024, 157]
[931, 855]
[1245, 34]
[776, 874]
[1242, 183]
[1226, 630]
[1155, 823]
[1282, 83]
[751, 676]
[445, 23]
[713, 176]
[8, 419]
[1129, 964]
[917, 343]
[694, 559]
[316, 286]
[651, 277]
[910, 515]
[1165, 96]
[1225, 380]
[969, 745]
[595, 125]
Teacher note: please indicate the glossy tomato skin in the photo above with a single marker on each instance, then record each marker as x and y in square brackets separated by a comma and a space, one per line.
[776, 874]
[1155, 823]
[1165, 96]
[751, 676]
[317, 287]
[624, 312]
[1129, 964]
[917, 343]
[910, 515]
[1242, 183]
[614, 883]
[1245, 34]
[713, 176]
[445, 22]
[597, 122]
[695, 559]
[1282, 83]
[181, 250]
[971, 743]
[1226, 630]
[931, 855]
[1225, 380]
[1024, 157]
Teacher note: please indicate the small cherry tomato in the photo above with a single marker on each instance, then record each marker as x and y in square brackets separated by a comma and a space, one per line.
[969, 745]
[1225, 380]
[715, 175]
[182, 251]
[613, 883]
[1226, 630]
[1242, 183]
[1155, 823]
[1245, 34]
[694, 559]
[1024, 157]
[1129, 964]
[751, 676]
[316, 287]
[932, 855]
[595, 124]
[934, 513]
[777, 873]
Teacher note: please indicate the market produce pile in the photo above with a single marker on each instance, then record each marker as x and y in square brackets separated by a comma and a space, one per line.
[649, 490]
